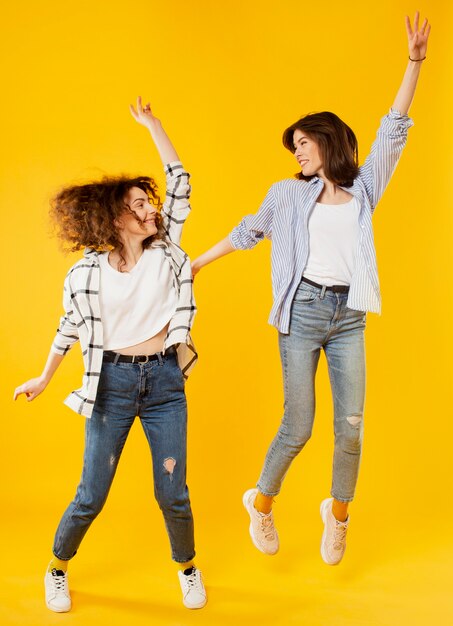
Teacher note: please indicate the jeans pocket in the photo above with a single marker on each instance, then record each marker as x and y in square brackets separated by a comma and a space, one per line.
[305, 295]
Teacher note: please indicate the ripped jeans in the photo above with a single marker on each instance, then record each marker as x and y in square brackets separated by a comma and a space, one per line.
[320, 321]
[155, 392]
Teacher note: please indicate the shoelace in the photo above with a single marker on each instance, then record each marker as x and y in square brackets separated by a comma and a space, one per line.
[339, 535]
[267, 526]
[193, 581]
[59, 581]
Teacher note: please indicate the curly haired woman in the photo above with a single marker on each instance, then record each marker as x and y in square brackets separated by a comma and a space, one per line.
[325, 279]
[129, 302]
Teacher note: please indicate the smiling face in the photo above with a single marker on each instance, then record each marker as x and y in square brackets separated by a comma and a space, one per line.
[307, 154]
[137, 201]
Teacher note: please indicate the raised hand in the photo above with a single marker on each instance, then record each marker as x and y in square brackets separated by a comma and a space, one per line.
[143, 115]
[417, 38]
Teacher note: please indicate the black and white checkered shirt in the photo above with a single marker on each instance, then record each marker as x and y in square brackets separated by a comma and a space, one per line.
[82, 320]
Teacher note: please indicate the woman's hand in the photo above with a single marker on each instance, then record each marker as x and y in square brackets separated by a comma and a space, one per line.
[32, 388]
[417, 38]
[143, 115]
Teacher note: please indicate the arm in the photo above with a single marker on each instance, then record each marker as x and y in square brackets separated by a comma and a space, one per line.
[143, 115]
[220, 249]
[251, 230]
[33, 387]
[418, 43]
[391, 138]
[176, 207]
[67, 335]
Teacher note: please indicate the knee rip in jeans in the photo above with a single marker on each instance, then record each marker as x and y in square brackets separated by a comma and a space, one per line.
[169, 466]
[355, 419]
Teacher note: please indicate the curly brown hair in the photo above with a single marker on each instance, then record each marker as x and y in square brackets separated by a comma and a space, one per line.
[337, 144]
[85, 215]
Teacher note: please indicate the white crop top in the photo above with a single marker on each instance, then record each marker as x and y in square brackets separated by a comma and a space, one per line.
[136, 305]
[334, 233]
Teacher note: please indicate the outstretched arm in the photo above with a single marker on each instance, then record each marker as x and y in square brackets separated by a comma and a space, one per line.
[418, 43]
[143, 115]
[218, 250]
[251, 230]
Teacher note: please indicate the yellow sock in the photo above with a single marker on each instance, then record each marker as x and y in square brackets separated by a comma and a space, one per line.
[263, 503]
[184, 566]
[57, 564]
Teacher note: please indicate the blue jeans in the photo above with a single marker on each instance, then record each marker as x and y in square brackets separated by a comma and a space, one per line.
[320, 320]
[155, 392]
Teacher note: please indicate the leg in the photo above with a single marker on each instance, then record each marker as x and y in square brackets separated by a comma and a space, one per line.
[105, 435]
[163, 414]
[300, 358]
[345, 354]
[299, 351]
[346, 360]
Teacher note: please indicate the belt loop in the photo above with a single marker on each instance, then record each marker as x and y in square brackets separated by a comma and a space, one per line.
[323, 292]
[115, 360]
[159, 358]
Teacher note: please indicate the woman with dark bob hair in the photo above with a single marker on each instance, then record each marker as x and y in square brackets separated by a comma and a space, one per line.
[324, 279]
[129, 302]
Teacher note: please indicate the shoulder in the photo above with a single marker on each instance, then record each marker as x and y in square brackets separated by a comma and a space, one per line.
[292, 188]
[85, 265]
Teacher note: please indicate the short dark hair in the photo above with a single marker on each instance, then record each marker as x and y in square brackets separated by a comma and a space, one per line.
[337, 144]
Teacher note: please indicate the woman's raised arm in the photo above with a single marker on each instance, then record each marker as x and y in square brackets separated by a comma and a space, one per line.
[143, 115]
[418, 43]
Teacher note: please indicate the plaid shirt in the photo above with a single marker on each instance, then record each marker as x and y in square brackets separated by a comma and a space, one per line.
[82, 320]
[284, 213]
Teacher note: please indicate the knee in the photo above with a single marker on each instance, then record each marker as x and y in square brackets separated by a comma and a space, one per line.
[350, 433]
[89, 502]
[294, 441]
[170, 490]
[173, 504]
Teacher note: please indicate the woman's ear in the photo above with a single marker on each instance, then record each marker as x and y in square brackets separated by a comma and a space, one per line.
[118, 222]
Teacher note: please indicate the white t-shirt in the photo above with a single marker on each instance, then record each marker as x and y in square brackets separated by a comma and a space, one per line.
[333, 238]
[136, 305]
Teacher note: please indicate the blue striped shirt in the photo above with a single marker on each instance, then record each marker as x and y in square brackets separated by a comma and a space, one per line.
[283, 218]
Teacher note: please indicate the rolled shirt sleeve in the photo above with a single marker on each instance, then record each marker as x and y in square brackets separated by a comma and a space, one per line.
[384, 155]
[67, 332]
[254, 228]
[176, 206]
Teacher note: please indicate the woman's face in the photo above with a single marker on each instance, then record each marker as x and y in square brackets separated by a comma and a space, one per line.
[137, 200]
[307, 154]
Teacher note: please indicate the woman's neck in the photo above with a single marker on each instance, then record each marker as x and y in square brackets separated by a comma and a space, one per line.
[131, 252]
[332, 194]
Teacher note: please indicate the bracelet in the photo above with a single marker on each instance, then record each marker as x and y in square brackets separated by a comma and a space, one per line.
[416, 60]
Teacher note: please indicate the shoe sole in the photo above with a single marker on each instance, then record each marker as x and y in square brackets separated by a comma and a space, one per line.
[197, 606]
[55, 610]
[323, 510]
[245, 498]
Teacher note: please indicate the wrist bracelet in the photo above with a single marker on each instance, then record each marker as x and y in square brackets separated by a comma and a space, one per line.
[416, 60]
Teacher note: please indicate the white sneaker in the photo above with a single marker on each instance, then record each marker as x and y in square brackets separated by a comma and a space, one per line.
[193, 591]
[333, 543]
[262, 530]
[57, 591]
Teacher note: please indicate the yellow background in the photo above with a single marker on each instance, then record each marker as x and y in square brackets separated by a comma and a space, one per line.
[226, 79]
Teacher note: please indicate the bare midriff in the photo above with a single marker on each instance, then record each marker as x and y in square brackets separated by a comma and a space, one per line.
[148, 347]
